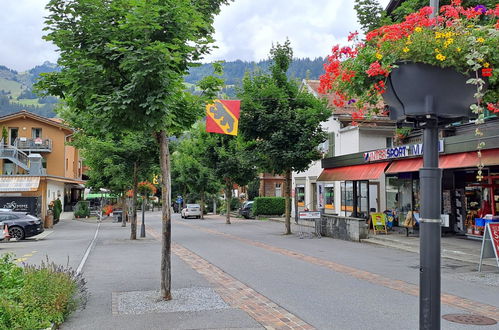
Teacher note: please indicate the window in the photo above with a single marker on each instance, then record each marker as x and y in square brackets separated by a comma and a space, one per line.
[347, 197]
[36, 133]
[330, 139]
[329, 196]
[278, 190]
[13, 134]
[389, 142]
[300, 196]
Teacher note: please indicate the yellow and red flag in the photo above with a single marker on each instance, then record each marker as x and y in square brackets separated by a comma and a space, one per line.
[222, 116]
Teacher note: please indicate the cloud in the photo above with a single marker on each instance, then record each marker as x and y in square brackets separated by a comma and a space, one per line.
[245, 29]
[21, 35]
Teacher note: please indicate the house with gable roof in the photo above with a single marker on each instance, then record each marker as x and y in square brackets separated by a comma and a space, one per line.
[37, 165]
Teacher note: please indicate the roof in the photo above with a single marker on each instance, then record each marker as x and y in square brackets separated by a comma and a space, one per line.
[392, 5]
[345, 111]
[313, 87]
[57, 122]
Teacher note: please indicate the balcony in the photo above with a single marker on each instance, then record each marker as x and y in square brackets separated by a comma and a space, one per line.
[33, 145]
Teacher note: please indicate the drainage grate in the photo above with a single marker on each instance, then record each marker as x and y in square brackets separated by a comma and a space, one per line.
[469, 319]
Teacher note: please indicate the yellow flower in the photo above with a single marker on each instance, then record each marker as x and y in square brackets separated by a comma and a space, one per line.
[405, 50]
[437, 50]
[438, 35]
[418, 29]
[458, 49]
[379, 56]
[480, 39]
[440, 57]
[486, 64]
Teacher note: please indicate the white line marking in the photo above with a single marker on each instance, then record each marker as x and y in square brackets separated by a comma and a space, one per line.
[82, 263]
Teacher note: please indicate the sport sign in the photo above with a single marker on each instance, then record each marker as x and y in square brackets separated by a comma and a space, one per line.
[490, 243]
[222, 116]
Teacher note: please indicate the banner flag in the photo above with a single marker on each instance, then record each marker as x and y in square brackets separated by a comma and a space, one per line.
[222, 116]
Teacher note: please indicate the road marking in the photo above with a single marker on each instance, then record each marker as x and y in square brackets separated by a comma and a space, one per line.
[82, 262]
[237, 294]
[398, 285]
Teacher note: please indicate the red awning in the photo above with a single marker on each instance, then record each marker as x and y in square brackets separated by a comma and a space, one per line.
[355, 172]
[464, 159]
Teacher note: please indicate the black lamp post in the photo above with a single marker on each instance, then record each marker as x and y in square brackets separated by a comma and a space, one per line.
[429, 97]
[143, 224]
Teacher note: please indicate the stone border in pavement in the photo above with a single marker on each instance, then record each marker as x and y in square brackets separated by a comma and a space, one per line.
[237, 294]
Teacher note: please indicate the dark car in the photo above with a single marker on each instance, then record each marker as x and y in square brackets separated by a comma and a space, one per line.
[21, 225]
[246, 210]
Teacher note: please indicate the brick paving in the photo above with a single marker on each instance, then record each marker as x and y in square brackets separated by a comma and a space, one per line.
[237, 294]
[398, 285]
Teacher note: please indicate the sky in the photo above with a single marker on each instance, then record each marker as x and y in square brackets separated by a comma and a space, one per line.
[245, 30]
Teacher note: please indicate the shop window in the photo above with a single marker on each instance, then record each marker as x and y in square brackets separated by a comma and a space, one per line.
[347, 197]
[389, 142]
[329, 197]
[300, 196]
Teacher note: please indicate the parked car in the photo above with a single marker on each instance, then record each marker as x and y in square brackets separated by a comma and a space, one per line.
[191, 210]
[246, 210]
[21, 225]
[2, 235]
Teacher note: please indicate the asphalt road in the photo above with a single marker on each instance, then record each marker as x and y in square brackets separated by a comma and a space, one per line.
[324, 283]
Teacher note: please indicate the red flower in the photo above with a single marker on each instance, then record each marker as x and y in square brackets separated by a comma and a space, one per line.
[357, 115]
[493, 107]
[487, 72]
[352, 35]
[375, 69]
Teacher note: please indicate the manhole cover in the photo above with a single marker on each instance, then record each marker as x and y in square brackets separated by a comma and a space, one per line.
[469, 319]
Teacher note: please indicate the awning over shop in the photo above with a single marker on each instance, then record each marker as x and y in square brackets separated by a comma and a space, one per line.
[355, 172]
[465, 159]
[19, 183]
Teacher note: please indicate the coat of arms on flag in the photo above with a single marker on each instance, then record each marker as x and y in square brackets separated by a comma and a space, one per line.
[222, 116]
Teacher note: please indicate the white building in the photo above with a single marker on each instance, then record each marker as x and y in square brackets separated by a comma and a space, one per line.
[343, 139]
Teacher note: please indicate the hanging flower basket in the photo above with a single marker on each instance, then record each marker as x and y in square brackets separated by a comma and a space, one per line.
[416, 90]
[449, 59]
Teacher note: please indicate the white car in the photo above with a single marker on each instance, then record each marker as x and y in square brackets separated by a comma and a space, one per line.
[191, 210]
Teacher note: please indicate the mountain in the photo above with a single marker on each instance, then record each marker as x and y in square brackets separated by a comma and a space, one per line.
[16, 88]
[16, 92]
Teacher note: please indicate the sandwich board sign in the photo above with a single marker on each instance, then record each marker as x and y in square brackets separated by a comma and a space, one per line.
[490, 243]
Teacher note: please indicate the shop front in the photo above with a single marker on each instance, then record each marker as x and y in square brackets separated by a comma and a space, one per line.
[466, 201]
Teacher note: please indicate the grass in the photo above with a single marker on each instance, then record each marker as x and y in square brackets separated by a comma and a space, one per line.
[13, 86]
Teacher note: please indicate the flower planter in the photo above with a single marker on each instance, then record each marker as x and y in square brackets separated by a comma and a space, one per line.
[416, 90]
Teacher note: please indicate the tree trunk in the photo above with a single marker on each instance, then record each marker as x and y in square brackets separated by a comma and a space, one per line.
[228, 198]
[133, 223]
[124, 209]
[287, 195]
[202, 205]
[166, 217]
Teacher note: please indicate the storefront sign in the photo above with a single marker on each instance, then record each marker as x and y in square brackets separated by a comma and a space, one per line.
[490, 250]
[398, 152]
[309, 215]
[31, 205]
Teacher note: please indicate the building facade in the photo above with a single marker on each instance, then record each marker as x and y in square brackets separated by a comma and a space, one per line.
[37, 164]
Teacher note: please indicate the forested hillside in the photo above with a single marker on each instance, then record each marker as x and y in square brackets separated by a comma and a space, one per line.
[16, 87]
[16, 92]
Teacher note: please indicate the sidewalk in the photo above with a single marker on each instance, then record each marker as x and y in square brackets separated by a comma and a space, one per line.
[453, 247]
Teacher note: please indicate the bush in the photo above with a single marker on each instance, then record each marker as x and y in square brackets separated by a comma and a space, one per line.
[269, 206]
[82, 209]
[34, 297]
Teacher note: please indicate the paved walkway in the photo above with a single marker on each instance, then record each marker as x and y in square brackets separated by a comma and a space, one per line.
[452, 247]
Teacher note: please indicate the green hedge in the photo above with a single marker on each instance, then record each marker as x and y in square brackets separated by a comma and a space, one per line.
[269, 206]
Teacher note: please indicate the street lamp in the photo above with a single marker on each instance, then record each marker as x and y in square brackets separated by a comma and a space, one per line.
[143, 225]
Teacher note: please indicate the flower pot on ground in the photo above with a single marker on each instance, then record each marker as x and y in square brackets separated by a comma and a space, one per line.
[415, 90]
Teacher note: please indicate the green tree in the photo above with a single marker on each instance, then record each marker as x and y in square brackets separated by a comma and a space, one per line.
[369, 14]
[122, 64]
[189, 164]
[283, 121]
